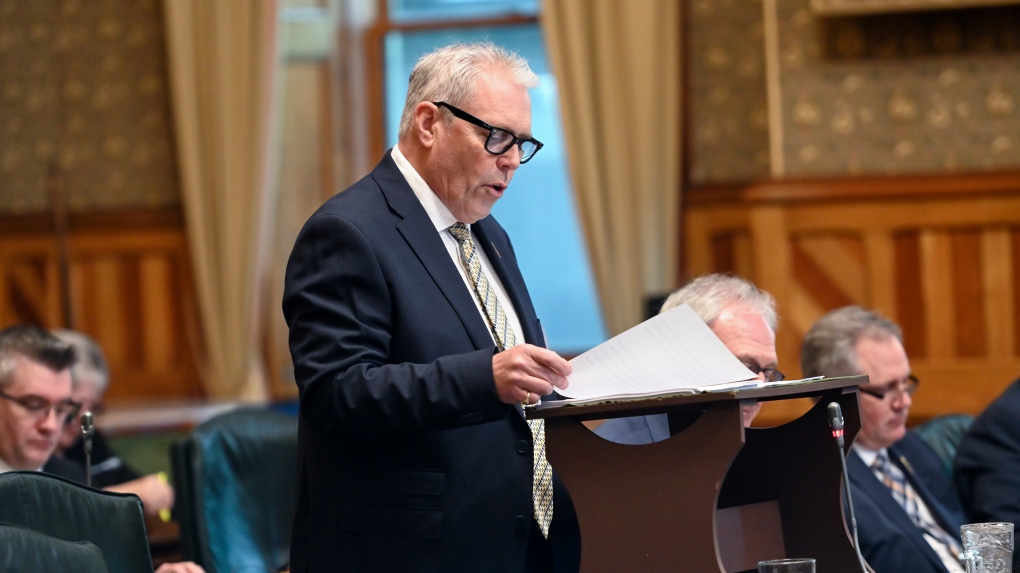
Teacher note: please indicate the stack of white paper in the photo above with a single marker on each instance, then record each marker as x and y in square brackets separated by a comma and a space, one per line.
[673, 353]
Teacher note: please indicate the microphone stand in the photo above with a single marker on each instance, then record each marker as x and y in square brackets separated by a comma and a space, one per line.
[836, 423]
[86, 431]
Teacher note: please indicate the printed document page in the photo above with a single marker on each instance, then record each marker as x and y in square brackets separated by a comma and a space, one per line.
[674, 352]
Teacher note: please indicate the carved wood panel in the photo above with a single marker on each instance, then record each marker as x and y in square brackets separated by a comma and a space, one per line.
[129, 288]
[938, 255]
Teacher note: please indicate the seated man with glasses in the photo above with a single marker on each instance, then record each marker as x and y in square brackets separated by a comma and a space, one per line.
[35, 399]
[35, 404]
[743, 317]
[907, 513]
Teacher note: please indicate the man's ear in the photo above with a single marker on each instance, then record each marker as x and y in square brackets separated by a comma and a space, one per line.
[426, 120]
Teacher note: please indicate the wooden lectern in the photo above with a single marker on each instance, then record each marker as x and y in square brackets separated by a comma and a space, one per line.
[714, 496]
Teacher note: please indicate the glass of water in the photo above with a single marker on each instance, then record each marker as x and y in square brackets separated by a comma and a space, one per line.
[795, 565]
[988, 547]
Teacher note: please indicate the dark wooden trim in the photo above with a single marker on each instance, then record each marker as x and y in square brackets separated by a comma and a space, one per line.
[857, 188]
[119, 220]
[474, 23]
[686, 138]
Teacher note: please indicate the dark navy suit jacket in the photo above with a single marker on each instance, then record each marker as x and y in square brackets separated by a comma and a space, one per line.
[987, 467]
[408, 461]
[890, 542]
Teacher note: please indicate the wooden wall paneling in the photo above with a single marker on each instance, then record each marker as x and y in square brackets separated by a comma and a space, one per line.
[968, 289]
[771, 271]
[937, 290]
[129, 283]
[937, 255]
[880, 272]
[109, 328]
[1015, 234]
[900, 215]
[155, 281]
[998, 287]
[909, 295]
[698, 238]
[743, 257]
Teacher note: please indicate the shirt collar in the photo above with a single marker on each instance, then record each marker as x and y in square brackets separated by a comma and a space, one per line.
[438, 212]
[4, 467]
[868, 455]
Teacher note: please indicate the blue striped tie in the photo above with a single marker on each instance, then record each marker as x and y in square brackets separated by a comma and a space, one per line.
[503, 333]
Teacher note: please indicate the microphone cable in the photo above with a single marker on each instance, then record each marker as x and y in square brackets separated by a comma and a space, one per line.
[836, 423]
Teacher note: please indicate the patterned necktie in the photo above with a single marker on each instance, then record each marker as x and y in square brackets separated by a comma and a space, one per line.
[905, 495]
[541, 492]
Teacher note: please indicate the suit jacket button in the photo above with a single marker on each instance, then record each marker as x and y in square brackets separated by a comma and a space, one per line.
[521, 523]
[523, 447]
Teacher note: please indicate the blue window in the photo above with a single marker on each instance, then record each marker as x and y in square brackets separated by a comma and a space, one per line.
[538, 209]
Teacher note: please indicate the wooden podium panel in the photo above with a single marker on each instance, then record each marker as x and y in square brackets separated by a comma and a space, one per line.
[714, 496]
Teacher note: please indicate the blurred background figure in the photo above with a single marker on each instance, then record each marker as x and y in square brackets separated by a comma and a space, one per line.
[90, 378]
[909, 517]
[745, 320]
[987, 468]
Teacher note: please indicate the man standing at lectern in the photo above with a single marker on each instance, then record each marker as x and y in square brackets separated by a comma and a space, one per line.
[907, 513]
[415, 344]
[743, 317]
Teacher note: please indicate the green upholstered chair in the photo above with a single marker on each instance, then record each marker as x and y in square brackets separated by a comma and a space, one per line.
[943, 434]
[26, 551]
[234, 478]
[71, 512]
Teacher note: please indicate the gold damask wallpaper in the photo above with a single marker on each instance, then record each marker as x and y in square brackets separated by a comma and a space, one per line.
[911, 93]
[931, 92]
[83, 90]
[727, 109]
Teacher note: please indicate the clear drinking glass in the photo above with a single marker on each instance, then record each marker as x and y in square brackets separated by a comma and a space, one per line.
[988, 547]
[794, 565]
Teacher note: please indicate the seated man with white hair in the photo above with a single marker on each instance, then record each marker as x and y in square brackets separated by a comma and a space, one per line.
[743, 317]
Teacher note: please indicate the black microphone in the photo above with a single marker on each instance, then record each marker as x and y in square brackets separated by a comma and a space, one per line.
[86, 431]
[836, 423]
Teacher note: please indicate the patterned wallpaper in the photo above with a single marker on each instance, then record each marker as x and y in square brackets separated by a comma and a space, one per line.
[727, 108]
[927, 92]
[83, 90]
[921, 92]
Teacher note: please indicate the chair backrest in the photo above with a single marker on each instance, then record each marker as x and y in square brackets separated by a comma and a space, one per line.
[235, 477]
[943, 434]
[26, 551]
[69, 511]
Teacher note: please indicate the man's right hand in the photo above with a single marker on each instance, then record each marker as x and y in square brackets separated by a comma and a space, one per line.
[526, 372]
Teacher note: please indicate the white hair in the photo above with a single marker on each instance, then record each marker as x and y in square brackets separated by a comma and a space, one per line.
[710, 294]
[451, 74]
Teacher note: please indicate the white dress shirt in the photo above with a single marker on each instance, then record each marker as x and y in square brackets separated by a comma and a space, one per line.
[442, 218]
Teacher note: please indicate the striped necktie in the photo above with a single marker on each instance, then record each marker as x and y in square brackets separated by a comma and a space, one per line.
[503, 333]
[905, 495]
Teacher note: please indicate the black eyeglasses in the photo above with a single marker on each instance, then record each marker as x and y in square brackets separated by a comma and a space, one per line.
[770, 374]
[894, 390]
[500, 140]
[39, 407]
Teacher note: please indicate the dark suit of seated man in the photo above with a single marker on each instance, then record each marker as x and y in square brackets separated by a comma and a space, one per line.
[743, 317]
[987, 469]
[908, 516]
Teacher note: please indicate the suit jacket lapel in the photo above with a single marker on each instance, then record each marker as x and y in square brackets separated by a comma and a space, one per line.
[865, 480]
[497, 248]
[934, 507]
[422, 237]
